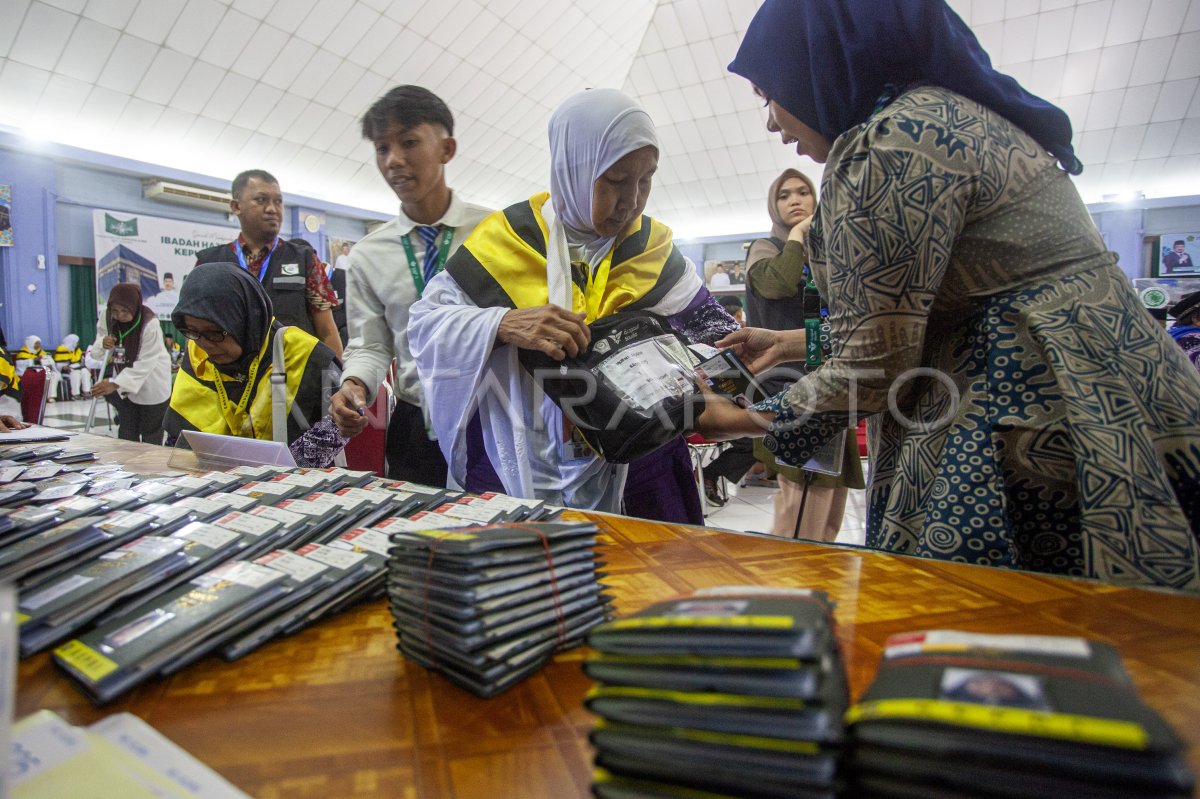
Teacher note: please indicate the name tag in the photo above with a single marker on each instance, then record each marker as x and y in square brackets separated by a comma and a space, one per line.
[290, 269]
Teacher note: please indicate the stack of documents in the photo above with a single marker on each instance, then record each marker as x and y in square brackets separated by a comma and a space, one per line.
[955, 714]
[732, 691]
[488, 606]
[118, 757]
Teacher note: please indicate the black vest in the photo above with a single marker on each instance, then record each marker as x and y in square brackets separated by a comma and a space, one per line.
[286, 277]
[786, 313]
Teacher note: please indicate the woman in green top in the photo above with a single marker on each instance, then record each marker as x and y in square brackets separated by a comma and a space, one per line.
[780, 295]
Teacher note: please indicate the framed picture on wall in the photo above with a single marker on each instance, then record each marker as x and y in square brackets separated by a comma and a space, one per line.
[1178, 254]
[6, 233]
[339, 253]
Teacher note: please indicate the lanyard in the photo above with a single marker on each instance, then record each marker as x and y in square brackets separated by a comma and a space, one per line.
[266, 261]
[234, 423]
[443, 250]
[121, 336]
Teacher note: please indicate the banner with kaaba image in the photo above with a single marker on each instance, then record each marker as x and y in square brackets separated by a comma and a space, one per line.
[153, 253]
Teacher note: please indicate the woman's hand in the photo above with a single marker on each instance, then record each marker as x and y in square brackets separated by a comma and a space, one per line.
[800, 230]
[760, 349]
[109, 342]
[11, 423]
[103, 388]
[546, 328]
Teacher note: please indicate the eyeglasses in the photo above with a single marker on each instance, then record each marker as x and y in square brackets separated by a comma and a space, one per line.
[211, 336]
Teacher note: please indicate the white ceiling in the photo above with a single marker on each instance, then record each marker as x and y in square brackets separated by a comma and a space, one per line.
[217, 86]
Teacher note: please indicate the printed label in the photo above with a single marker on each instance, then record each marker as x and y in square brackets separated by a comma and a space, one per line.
[245, 523]
[957, 641]
[87, 661]
[366, 540]
[300, 568]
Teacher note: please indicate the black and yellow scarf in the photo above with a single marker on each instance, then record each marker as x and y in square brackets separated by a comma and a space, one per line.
[503, 264]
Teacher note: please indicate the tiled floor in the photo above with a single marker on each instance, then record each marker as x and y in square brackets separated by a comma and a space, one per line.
[748, 508]
[751, 508]
[73, 416]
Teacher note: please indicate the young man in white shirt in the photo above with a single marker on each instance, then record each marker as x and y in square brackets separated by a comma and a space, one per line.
[412, 131]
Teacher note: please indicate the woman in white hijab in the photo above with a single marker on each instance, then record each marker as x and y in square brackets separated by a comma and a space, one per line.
[532, 277]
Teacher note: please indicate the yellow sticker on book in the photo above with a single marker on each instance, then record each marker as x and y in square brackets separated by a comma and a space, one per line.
[22, 618]
[758, 622]
[1016, 721]
[87, 661]
[446, 535]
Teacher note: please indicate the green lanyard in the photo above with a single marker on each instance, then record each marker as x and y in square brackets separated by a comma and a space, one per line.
[121, 336]
[443, 251]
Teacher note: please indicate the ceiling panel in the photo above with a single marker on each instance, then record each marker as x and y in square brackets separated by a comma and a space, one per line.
[281, 86]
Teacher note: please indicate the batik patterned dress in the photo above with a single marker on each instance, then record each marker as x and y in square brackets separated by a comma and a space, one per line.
[1025, 410]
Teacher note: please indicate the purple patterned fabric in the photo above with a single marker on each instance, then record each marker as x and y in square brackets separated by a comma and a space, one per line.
[662, 487]
[319, 445]
[704, 321]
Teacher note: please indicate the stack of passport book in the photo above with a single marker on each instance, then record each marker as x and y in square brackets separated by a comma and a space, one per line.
[732, 691]
[487, 606]
[955, 714]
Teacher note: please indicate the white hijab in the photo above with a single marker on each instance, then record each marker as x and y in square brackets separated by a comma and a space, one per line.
[589, 132]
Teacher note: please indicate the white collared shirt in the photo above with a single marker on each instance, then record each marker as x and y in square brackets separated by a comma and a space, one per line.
[379, 292]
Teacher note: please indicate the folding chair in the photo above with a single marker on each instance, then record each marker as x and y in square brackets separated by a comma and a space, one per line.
[368, 450]
[33, 394]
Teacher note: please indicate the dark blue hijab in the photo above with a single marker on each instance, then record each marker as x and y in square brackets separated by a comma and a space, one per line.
[827, 62]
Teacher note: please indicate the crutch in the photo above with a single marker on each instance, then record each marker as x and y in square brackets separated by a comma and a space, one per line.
[87, 428]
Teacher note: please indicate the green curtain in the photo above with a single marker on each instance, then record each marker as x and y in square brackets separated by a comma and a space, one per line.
[83, 303]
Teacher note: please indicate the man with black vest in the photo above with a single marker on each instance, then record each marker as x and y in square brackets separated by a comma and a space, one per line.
[289, 270]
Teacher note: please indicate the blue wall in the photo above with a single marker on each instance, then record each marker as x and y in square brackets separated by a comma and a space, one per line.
[33, 221]
[54, 193]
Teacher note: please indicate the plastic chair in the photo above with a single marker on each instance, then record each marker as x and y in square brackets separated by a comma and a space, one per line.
[33, 394]
[367, 451]
[861, 432]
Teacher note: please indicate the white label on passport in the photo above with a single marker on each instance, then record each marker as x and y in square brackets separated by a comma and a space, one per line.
[241, 572]
[362, 538]
[206, 534]
[300, 568]
[125, 521]
[338, 558]
[958, 641]
[285, 517]
[245, 523]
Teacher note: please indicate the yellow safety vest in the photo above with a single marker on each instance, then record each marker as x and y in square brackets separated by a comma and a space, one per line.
[10, 383]
[196, 398]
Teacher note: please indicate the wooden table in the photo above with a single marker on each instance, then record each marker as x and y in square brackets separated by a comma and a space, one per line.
[336, 712]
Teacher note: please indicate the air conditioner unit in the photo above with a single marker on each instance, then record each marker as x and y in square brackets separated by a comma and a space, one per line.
[195, 196]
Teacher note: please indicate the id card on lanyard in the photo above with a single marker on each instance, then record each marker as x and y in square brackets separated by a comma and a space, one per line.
[415, 269]
[262, 271]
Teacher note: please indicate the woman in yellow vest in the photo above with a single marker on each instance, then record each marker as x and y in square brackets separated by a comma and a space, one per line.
[10, 391]
[224, 383]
